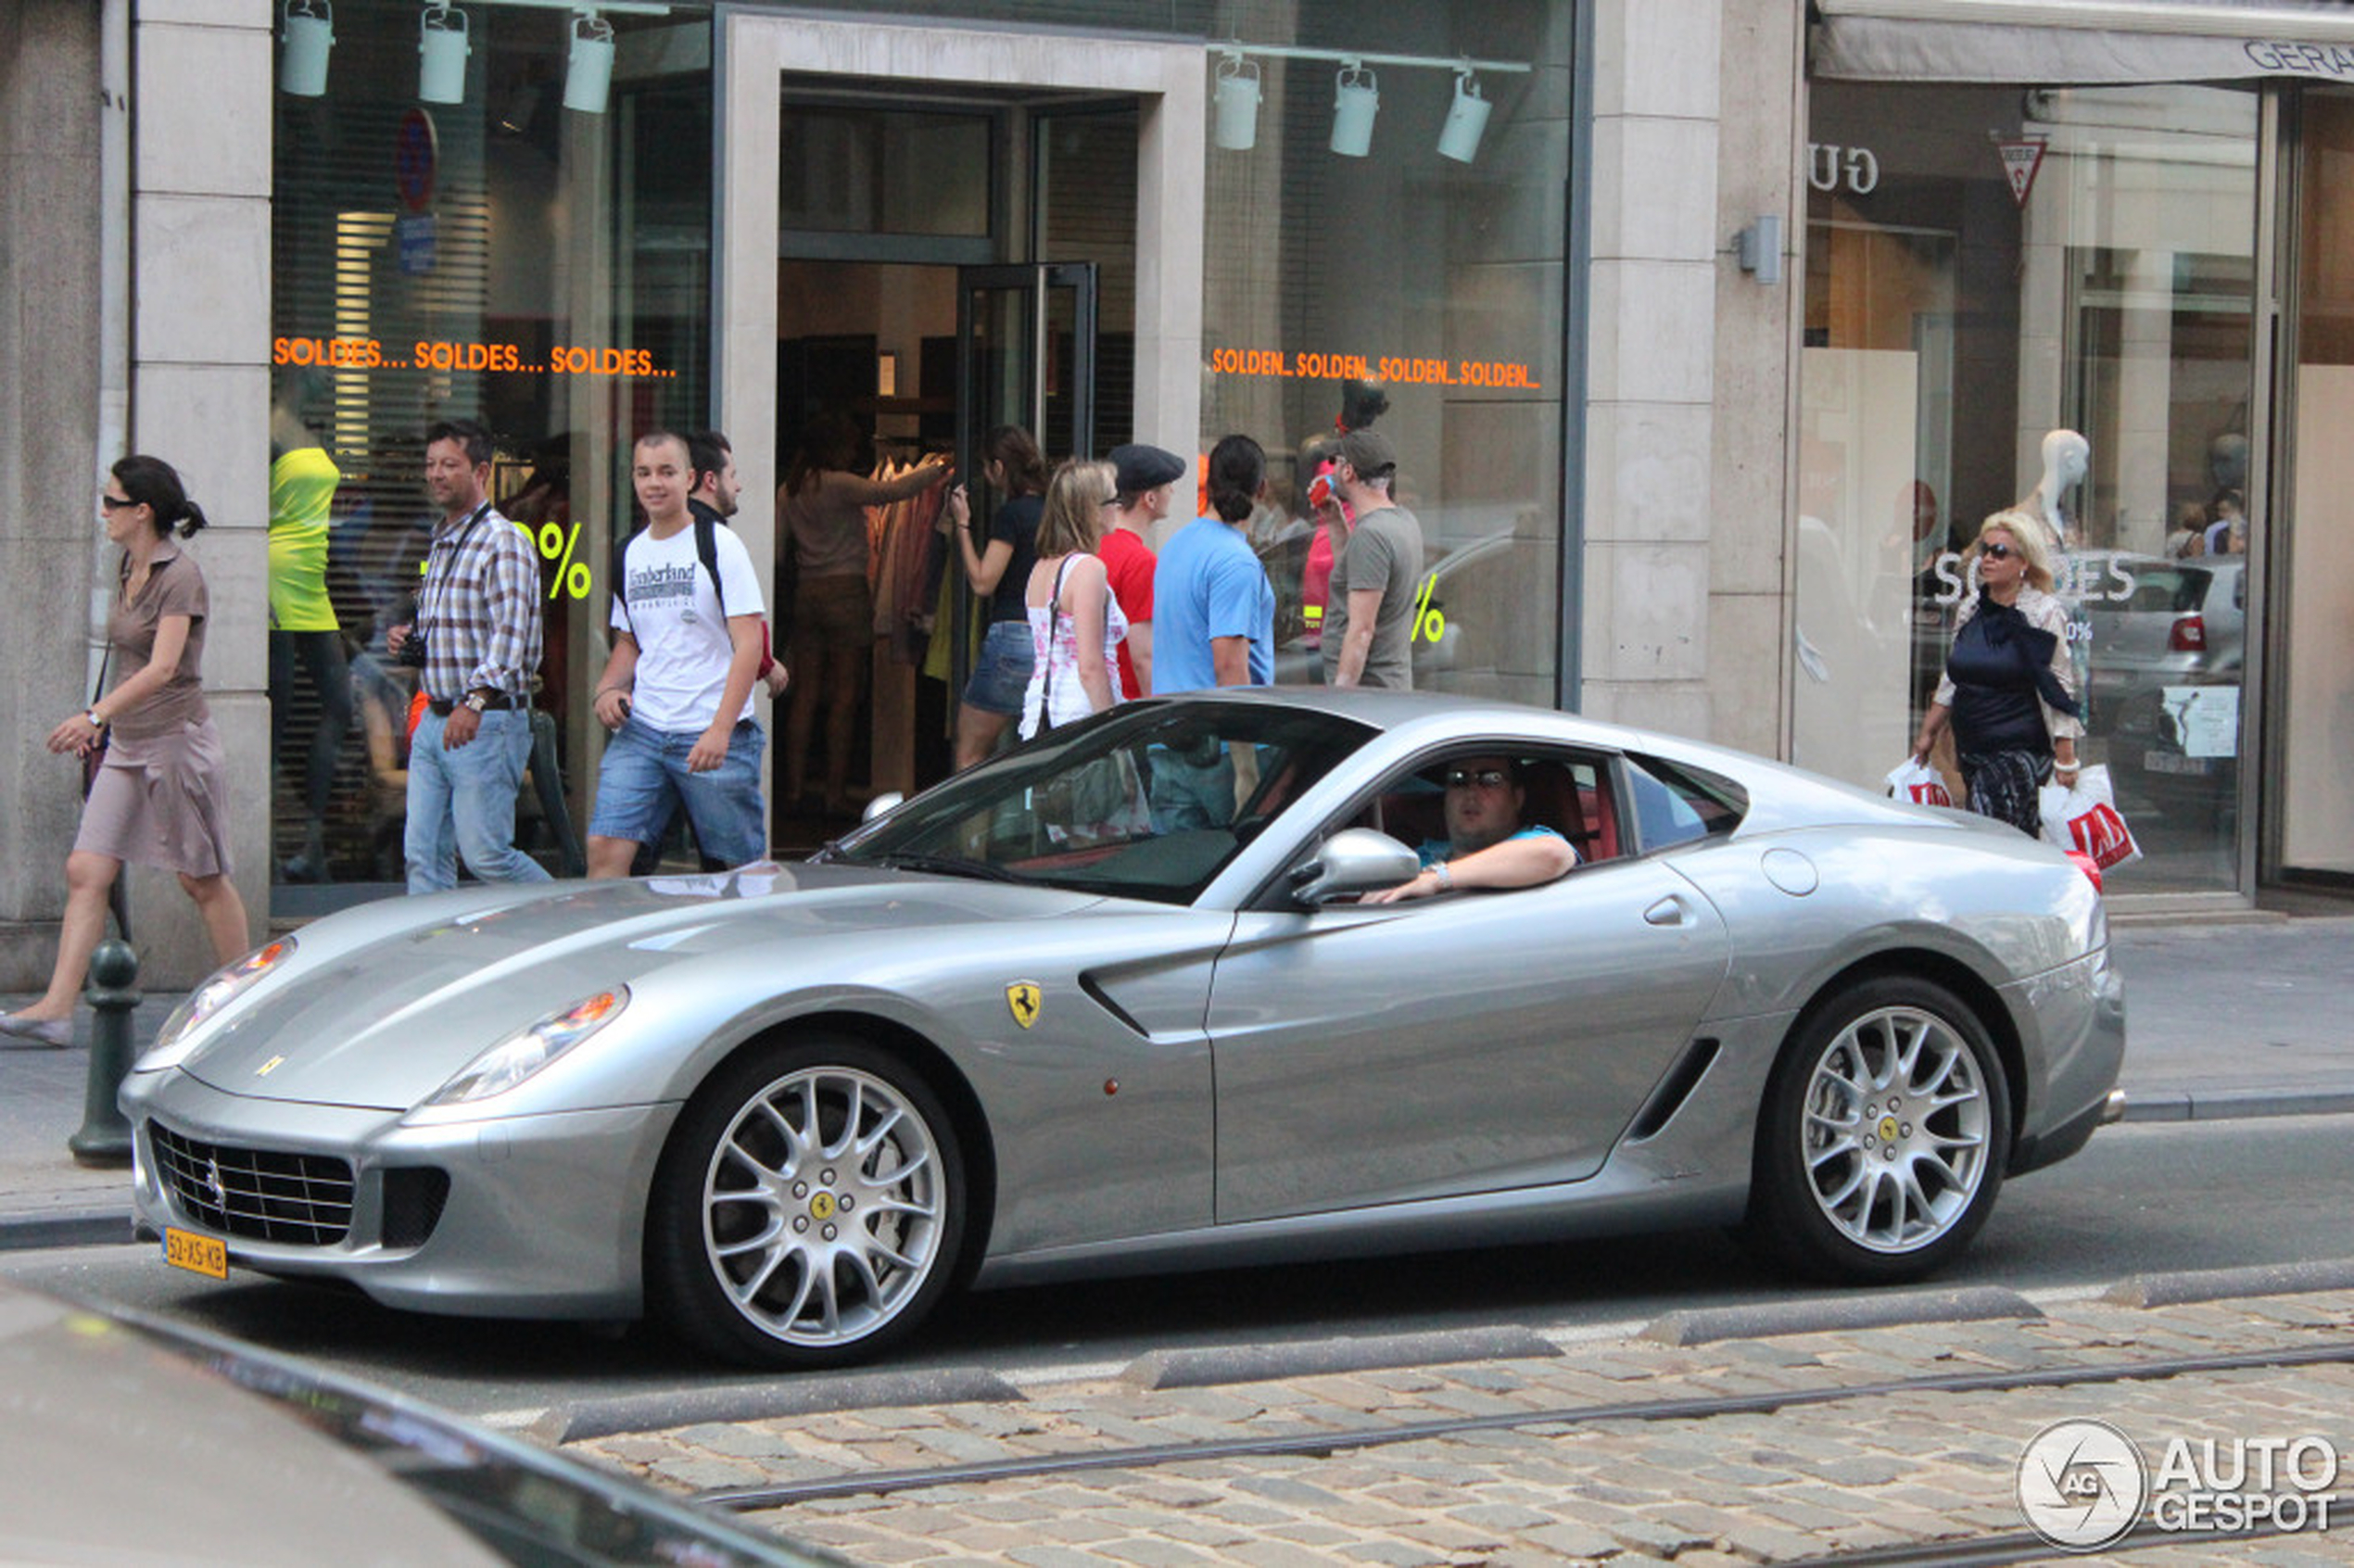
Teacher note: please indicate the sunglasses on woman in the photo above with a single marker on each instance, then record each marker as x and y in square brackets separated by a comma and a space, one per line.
[1998, 551]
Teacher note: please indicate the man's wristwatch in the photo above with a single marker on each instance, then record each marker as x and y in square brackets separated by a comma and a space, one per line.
[1446, 877]
[477, 699]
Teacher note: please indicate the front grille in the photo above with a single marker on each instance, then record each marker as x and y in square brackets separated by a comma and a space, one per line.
[261, 1194]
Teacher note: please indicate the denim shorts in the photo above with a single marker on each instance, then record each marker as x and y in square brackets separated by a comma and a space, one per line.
[643, 779]
[1001, 677]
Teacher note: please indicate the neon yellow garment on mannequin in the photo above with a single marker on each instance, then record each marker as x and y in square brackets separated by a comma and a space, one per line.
[302, 487]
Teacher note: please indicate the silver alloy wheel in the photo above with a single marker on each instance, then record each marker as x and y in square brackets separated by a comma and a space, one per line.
[823, 1207]
[1895, 1130]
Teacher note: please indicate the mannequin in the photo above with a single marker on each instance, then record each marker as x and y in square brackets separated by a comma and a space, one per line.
[2066, 456]
[303, 628]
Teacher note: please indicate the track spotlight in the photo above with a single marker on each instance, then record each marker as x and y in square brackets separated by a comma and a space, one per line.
[442, 49]
[308, 35]
[1237, 102]
[1466, 119]
[1356, 99]
[589, 71]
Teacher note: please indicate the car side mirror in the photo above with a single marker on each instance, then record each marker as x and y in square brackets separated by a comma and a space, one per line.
[888, 801]
[1354, 861]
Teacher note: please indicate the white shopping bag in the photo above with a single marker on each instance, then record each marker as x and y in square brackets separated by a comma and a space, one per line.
[2085, 817]
[1919, 783]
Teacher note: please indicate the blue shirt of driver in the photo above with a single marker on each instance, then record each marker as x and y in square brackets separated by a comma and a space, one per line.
[1432, 851]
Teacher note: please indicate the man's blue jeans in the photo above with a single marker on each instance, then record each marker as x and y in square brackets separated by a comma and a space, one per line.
[461, 803]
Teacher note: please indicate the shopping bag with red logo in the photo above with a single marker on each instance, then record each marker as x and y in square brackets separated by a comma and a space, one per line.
[2084, 816]
[1919, 783]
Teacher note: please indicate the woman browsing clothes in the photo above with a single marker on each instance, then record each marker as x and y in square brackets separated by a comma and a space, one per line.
[1000, 573]
[161, 797]
[1075, 621]
[2010, 687]
[822, 505]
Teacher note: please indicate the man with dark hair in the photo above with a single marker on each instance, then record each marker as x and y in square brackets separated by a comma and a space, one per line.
[476, 641]
[716, 497]
[1369, 623]
[1488, 845]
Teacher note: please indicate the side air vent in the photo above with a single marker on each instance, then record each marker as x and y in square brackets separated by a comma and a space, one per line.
[1674, 1089]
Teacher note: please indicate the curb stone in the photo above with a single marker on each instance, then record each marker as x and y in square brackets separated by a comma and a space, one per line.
[2186, 1286]
[1258, 1364]
[1824, 1314]
[768, 1402]
[76, 1227]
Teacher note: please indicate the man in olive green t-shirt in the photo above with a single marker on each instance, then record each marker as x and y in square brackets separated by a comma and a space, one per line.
[1368, 623]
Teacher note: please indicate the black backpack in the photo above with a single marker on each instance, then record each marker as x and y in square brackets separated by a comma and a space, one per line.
[706, 551]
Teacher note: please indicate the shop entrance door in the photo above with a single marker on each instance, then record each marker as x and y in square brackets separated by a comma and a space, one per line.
[1025, 355]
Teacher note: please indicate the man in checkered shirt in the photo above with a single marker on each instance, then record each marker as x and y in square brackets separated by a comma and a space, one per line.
[478, 614]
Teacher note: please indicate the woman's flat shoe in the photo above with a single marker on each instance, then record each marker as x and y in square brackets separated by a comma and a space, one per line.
[40, 1031]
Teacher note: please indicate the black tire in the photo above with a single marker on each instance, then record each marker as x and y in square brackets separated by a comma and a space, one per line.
[1886, 1127]
[771, 1252]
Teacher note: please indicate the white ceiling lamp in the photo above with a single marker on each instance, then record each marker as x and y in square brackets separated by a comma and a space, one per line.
[589, 68]
[308, 35]
[1356, 99]
[1237, 114]
[442, 48]
[1466, 119]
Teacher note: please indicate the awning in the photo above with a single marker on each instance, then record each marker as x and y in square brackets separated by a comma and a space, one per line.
[2061, 42]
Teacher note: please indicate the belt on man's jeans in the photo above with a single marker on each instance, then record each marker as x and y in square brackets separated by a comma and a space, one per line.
[441, 707]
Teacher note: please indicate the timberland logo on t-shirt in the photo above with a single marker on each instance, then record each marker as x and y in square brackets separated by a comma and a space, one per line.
[650, 584]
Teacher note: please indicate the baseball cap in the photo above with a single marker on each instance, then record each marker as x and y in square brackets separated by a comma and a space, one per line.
[1138, 468]
[1369, 452]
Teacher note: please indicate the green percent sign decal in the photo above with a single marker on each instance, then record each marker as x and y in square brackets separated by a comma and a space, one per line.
[1429, 625]
[572, 576]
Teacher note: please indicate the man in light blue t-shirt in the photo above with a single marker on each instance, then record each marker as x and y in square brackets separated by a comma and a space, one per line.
[1213, 624]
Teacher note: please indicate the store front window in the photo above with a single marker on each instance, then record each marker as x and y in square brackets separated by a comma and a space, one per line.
[1414, 287]
[530, 249]
[1985, 266]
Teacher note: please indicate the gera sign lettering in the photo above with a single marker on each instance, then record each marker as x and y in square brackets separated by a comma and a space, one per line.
[2302, 59]
[371, 354]
[1395, 369]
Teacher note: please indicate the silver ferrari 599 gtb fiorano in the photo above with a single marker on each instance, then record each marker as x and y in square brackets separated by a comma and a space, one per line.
[1114, 1002]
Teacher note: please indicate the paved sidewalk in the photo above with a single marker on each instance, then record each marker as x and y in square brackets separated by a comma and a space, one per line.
[1888, 1469]
[2245, 1018]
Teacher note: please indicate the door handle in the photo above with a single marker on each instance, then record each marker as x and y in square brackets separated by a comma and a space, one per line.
[1668, 911]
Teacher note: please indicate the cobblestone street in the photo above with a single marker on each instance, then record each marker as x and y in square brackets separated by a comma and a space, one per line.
[1774, 1487]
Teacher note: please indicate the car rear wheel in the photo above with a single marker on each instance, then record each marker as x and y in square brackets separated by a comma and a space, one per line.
[1885, 1128]
[809, 1208]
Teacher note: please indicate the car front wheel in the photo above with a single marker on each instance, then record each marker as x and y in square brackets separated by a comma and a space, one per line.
[809, 1207]
[1885, 1129]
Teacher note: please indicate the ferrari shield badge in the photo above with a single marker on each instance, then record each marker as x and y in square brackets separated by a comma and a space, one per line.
[1024, 998]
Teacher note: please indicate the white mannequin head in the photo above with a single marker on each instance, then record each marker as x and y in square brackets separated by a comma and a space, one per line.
[2066, 455]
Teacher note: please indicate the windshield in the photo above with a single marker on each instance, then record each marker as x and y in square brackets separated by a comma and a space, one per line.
[1148, 799]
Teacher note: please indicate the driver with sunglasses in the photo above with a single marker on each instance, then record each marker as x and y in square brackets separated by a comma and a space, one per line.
[1488, 845]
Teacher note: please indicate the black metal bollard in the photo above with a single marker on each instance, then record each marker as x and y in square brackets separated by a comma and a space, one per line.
[104, 1137]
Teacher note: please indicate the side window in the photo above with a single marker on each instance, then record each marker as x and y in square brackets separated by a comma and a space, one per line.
[1566, 791]
[1676, 806]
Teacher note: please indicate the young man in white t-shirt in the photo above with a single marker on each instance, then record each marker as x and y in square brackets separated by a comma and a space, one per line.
[677, 693]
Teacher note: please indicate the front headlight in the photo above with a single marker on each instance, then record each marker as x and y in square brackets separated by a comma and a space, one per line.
[207, 999]
[527, 1050]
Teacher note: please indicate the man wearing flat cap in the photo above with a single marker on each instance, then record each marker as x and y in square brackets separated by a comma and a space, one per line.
[1369, 623]
[1142, 480]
